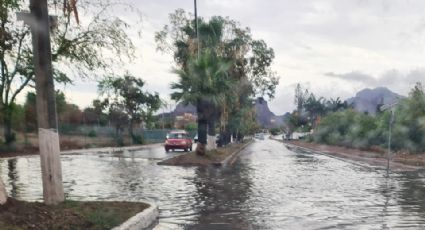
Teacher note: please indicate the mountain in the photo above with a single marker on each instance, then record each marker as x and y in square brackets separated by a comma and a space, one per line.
[368, 100]
[265, 117]
[181, 109]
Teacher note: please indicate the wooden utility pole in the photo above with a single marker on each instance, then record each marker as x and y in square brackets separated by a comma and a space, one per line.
[48, 136]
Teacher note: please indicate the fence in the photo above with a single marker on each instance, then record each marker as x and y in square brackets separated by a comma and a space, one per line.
[153, 135]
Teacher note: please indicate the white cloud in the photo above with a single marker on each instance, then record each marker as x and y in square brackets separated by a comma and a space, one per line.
[310, 38]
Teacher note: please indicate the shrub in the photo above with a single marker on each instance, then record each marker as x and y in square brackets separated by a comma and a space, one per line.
[274, 131]
[138, 139]
[92, 133]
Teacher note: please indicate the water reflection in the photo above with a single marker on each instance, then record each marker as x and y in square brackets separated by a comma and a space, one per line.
[269, 187]
[223, 193]
[411, 194]
[12, 177]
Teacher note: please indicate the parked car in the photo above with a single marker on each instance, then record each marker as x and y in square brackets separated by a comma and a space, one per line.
[259, 136]
[178, 139]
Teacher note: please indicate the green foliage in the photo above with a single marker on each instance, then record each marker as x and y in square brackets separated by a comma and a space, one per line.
[92, 133]
[78, 49]
[191, 127]
[232, 69]
[138, 139]
[274, 131]
[409, 124]
[205, 79]
[358, 130]
[310, 109]
[128, 102]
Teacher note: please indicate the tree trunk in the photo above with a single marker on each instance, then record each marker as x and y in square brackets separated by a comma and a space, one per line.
[3, 193]
[202, 137]
[130, 131]
[9, 137]
[211, 134]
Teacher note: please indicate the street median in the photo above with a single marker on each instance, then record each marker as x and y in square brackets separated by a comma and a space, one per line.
[219, 157]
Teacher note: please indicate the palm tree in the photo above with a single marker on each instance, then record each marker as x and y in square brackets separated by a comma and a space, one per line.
[203, 83]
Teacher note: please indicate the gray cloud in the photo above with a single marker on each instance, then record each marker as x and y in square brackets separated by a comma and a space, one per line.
[355, 76]
[393, 79]
[310, 37]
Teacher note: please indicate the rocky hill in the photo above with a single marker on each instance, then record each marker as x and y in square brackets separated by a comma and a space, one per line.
[368, 100]
[265, 117]
[181, 109]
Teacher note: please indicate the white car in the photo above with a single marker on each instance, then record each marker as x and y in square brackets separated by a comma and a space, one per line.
[259, 136]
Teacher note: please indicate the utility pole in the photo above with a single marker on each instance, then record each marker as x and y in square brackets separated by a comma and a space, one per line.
[391, 108]
[389, 140]
[48, 136]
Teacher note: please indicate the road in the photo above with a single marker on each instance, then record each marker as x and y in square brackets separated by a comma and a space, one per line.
[269, 187]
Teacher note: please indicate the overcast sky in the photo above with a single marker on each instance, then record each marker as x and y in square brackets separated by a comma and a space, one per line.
[333, 47]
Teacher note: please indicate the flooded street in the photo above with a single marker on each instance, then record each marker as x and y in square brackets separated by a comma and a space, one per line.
[269, 187]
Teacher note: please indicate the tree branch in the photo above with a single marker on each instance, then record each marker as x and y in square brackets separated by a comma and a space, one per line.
[18, 57]
[24, 84]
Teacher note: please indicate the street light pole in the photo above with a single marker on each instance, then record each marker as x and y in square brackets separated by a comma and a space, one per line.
[48, 136]
[196, 26]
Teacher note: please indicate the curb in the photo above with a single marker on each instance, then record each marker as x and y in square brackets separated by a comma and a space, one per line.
[232, 157]
[107, 149]
[141, 220]
[361, 161]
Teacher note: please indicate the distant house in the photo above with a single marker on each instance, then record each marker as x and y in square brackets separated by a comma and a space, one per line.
[184, 119]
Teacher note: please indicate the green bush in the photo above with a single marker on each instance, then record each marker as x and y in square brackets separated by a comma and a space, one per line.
[138, 139]
[274, 131]
[347, 128]
[191, 126]
[92, 133]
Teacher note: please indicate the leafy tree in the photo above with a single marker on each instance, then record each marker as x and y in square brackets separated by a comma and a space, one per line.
[79, 50]
[334, 105]
[409, 124]
[67, 113]
[94, 114]
[126, 94]
[301, 96]
[249, 61]
[203, 84]
[314, 109]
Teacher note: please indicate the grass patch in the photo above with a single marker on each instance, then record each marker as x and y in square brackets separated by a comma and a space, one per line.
[68, 215]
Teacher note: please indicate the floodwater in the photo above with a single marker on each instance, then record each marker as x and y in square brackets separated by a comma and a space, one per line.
[269, 187]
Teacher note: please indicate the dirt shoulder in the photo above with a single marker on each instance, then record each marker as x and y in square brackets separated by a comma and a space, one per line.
[68, 215]
[214, 157]
[400, 161]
